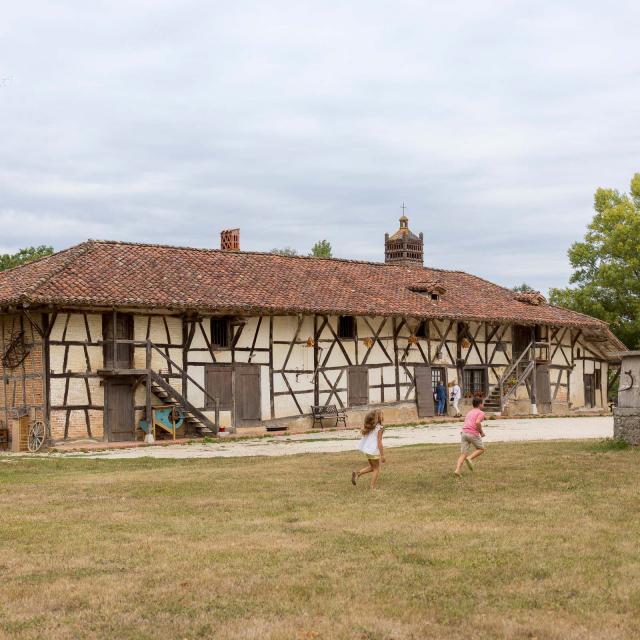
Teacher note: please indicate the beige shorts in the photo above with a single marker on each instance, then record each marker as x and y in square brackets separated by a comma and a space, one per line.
[469, 442]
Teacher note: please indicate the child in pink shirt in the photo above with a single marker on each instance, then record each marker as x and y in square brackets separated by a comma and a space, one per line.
[471, 436]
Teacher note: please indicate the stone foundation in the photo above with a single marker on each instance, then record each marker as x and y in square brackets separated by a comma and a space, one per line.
[626, 425]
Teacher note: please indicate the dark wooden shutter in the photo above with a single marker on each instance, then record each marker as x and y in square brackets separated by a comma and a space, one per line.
[124, 331]
[589, 390]
[543, 389]
[424, 392]
[218, 384]
[358, 386]
[247, 390]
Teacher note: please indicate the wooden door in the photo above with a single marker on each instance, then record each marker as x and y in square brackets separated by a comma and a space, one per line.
[219, 384]
[521, 339]
[358, 386]
[119, 416]
[424, 392]
[543, 389]
[589, 390]
[247, 395]
[124, 331]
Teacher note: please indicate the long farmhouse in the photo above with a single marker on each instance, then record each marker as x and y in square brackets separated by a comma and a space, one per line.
[95, 336]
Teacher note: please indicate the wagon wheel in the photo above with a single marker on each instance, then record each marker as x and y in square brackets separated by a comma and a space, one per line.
[36, 437]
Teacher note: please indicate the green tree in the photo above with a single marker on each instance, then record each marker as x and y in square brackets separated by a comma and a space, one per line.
[321, 249]
[286, 251]
[523, 288]
[7, 260]
[606, 265]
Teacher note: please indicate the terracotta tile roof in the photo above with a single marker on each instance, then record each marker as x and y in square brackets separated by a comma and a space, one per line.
[103, 273]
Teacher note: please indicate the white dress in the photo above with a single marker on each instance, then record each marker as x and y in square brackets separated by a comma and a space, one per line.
[369, 443]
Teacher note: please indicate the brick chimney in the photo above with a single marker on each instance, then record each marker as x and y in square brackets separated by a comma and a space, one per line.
[230, 240]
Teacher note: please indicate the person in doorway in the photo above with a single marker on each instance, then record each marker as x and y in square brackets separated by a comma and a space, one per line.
[441, 398]
[456, 396]
[371, 446]
[471, 437]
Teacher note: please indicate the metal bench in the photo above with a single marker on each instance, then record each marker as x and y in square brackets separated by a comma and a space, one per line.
[329, 412]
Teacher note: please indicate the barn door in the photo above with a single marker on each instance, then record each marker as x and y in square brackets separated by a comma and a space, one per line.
[358, 386]
[589, 390]
[124, 331]
[247, 395]
[543, 388]
[424, 392]
[119, 415]
[219, 384]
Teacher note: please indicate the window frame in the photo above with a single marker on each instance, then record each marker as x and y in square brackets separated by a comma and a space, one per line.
[474, 393]
[346, 335]
[215, 333]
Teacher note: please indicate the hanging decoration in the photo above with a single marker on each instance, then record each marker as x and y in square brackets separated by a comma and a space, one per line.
[16, 352]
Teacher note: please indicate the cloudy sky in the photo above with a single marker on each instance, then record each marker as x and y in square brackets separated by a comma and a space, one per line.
[164, 122]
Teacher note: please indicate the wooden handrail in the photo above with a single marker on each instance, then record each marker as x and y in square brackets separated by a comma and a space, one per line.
[150, 346]
[530, 349]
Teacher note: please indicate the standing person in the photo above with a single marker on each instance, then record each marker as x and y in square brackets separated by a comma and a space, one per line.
[441, 397]
[371, 446]
[471, 436]
[456, 396]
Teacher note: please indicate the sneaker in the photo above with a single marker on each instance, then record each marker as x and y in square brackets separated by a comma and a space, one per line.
[469, 463]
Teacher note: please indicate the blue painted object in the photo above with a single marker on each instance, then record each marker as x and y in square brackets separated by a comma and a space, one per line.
[162, 419]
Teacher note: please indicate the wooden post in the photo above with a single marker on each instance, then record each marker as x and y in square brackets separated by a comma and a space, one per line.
[271, 396]
[316, 338]
[534, 406]
[114, 358]
[216, 403]
[148, 409]
[395, 357]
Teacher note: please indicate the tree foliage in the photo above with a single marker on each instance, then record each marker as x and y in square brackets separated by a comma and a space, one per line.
[321, 249]
[523, 288]
[606, 265]
[7, 260]
[285, 251]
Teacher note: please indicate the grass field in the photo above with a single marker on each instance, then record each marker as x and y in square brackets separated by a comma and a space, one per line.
[542, 541]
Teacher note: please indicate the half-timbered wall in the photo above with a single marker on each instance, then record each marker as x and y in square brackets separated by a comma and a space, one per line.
[21, 367]
[76, 388]
[300, 361]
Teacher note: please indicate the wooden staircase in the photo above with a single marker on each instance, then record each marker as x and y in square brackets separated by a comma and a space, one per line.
[517, 373]
[195, 421]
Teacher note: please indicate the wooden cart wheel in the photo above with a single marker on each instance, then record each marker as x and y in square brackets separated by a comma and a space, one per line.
[36, 436]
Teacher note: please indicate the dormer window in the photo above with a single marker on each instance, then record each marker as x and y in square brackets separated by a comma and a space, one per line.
[431, 290]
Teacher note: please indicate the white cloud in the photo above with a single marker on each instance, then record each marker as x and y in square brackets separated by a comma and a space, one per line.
[165, 122]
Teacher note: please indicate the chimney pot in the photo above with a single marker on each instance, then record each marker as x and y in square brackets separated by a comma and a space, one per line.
[230, 240]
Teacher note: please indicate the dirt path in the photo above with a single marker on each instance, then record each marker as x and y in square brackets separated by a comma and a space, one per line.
[335, 441]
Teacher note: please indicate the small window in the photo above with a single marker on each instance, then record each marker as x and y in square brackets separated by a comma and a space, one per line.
[421, 331]
[346, 327]
[220, 332]
[474, 383]
[435, 296]
[542, 333]
[579, 353]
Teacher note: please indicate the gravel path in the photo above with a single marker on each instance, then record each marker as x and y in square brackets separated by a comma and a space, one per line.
[336, 441]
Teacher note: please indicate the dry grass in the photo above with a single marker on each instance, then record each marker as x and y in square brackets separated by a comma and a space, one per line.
[541, 542]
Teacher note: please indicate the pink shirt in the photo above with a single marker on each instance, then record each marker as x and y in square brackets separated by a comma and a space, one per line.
[470, 421]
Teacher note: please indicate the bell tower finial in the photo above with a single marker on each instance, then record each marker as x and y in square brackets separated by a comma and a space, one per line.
[403, 247]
